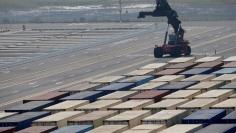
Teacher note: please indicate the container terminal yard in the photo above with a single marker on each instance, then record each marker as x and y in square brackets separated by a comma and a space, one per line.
[103, 78]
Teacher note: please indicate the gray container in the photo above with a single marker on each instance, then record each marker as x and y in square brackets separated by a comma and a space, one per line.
[86, 95]
[138, 80]
[174, 86]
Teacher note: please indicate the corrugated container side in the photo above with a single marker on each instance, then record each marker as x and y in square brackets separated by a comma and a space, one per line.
[218, 128]
[38, 129]
[74, 129]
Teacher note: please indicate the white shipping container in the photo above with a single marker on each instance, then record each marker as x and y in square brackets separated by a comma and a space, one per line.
[119, 95]
[226, 77]
[221, 94]
[169, 78]
[183, 128]
[155, 66]
[206, 86]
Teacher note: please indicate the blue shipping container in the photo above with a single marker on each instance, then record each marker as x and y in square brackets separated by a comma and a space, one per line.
[197, 71]
[219, 128]
[230, 118]
[225, 71]
[74, 129]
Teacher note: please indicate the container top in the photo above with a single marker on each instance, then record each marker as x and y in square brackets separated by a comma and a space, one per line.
[202, 77]
[155, 66]
[167, 103]
[231, 85]
[81, 87]
[117, 86]
[169, 72]
[132, 104]
[199, 103]
[182, 60]
[231, 115]
[206, 84]
[204, 114]
[182, 65]
[216, 93]
[6, 114]
[225, 77]
[107, 79]
[23, 117]
[67, 104]
[183, 128]
[135, 79]
[216, 128]
[230, 59]
[48, 96]
[60, 116]
[149, 127]
[73, 129]
[94, 116]
[164, 115]
[176, 85]
[99, 104]
[37, 129]
[118, 95]
[230, 65]
[226, 104]
[82, 95]
[233, 96]
[109, 129]
[195, 71]
[168, 78]
[128, 115]
[150, 94]
[149, 86]
[209, 59]
[140, 72]
[137, 131]
[225, 71]
[210, 64]
[183, 94]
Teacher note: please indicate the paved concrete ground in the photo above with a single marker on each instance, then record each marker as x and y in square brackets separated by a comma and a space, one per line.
[106, 49]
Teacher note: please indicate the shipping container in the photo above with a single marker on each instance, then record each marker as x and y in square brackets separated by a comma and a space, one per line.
[138, 131]
[167, 104]
[230, 59]
[185, 66]
[30, 106]
[131, 105]
[69, 105]
[149, 86]
[119, 95]
[74, 129]
[206, 86]
[209, 59]
[183, 94]
[81, 87]
[221, 94]
[196, 71]
[230, 65]
[214, 64]
[7, 129]
[155, 66]
[198, 104]
[175, 86]
[59, 119]
[230, 118]
[153, 127]
[168, 72]
[183, 128]
[107, 79]
[166, 117]
[182, 60]
[21, 121]
[200, 78]
[95, 118]
[155, 95]
[101, 105]
[218, 128]
[169, 78]
[138, 80]
[109, 129]
[225, 71]
[86, 95]
[140, 72]
[38, 129]
[226, 77]
[205, 117]
[130, 118]
[233, 96]
[229, 105]
[229, 86]
[6, 114]
[117, 87]
[49, 96]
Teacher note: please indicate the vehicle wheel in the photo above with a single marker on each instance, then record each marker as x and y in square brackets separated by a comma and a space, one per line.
[188, 51]
[158, 52]
[176, 52]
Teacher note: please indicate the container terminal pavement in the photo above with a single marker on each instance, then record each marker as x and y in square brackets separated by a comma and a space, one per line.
[183, 95]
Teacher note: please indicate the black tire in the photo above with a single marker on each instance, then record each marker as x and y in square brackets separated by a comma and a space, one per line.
[176, 52]
[188, 51]
[158, 52]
